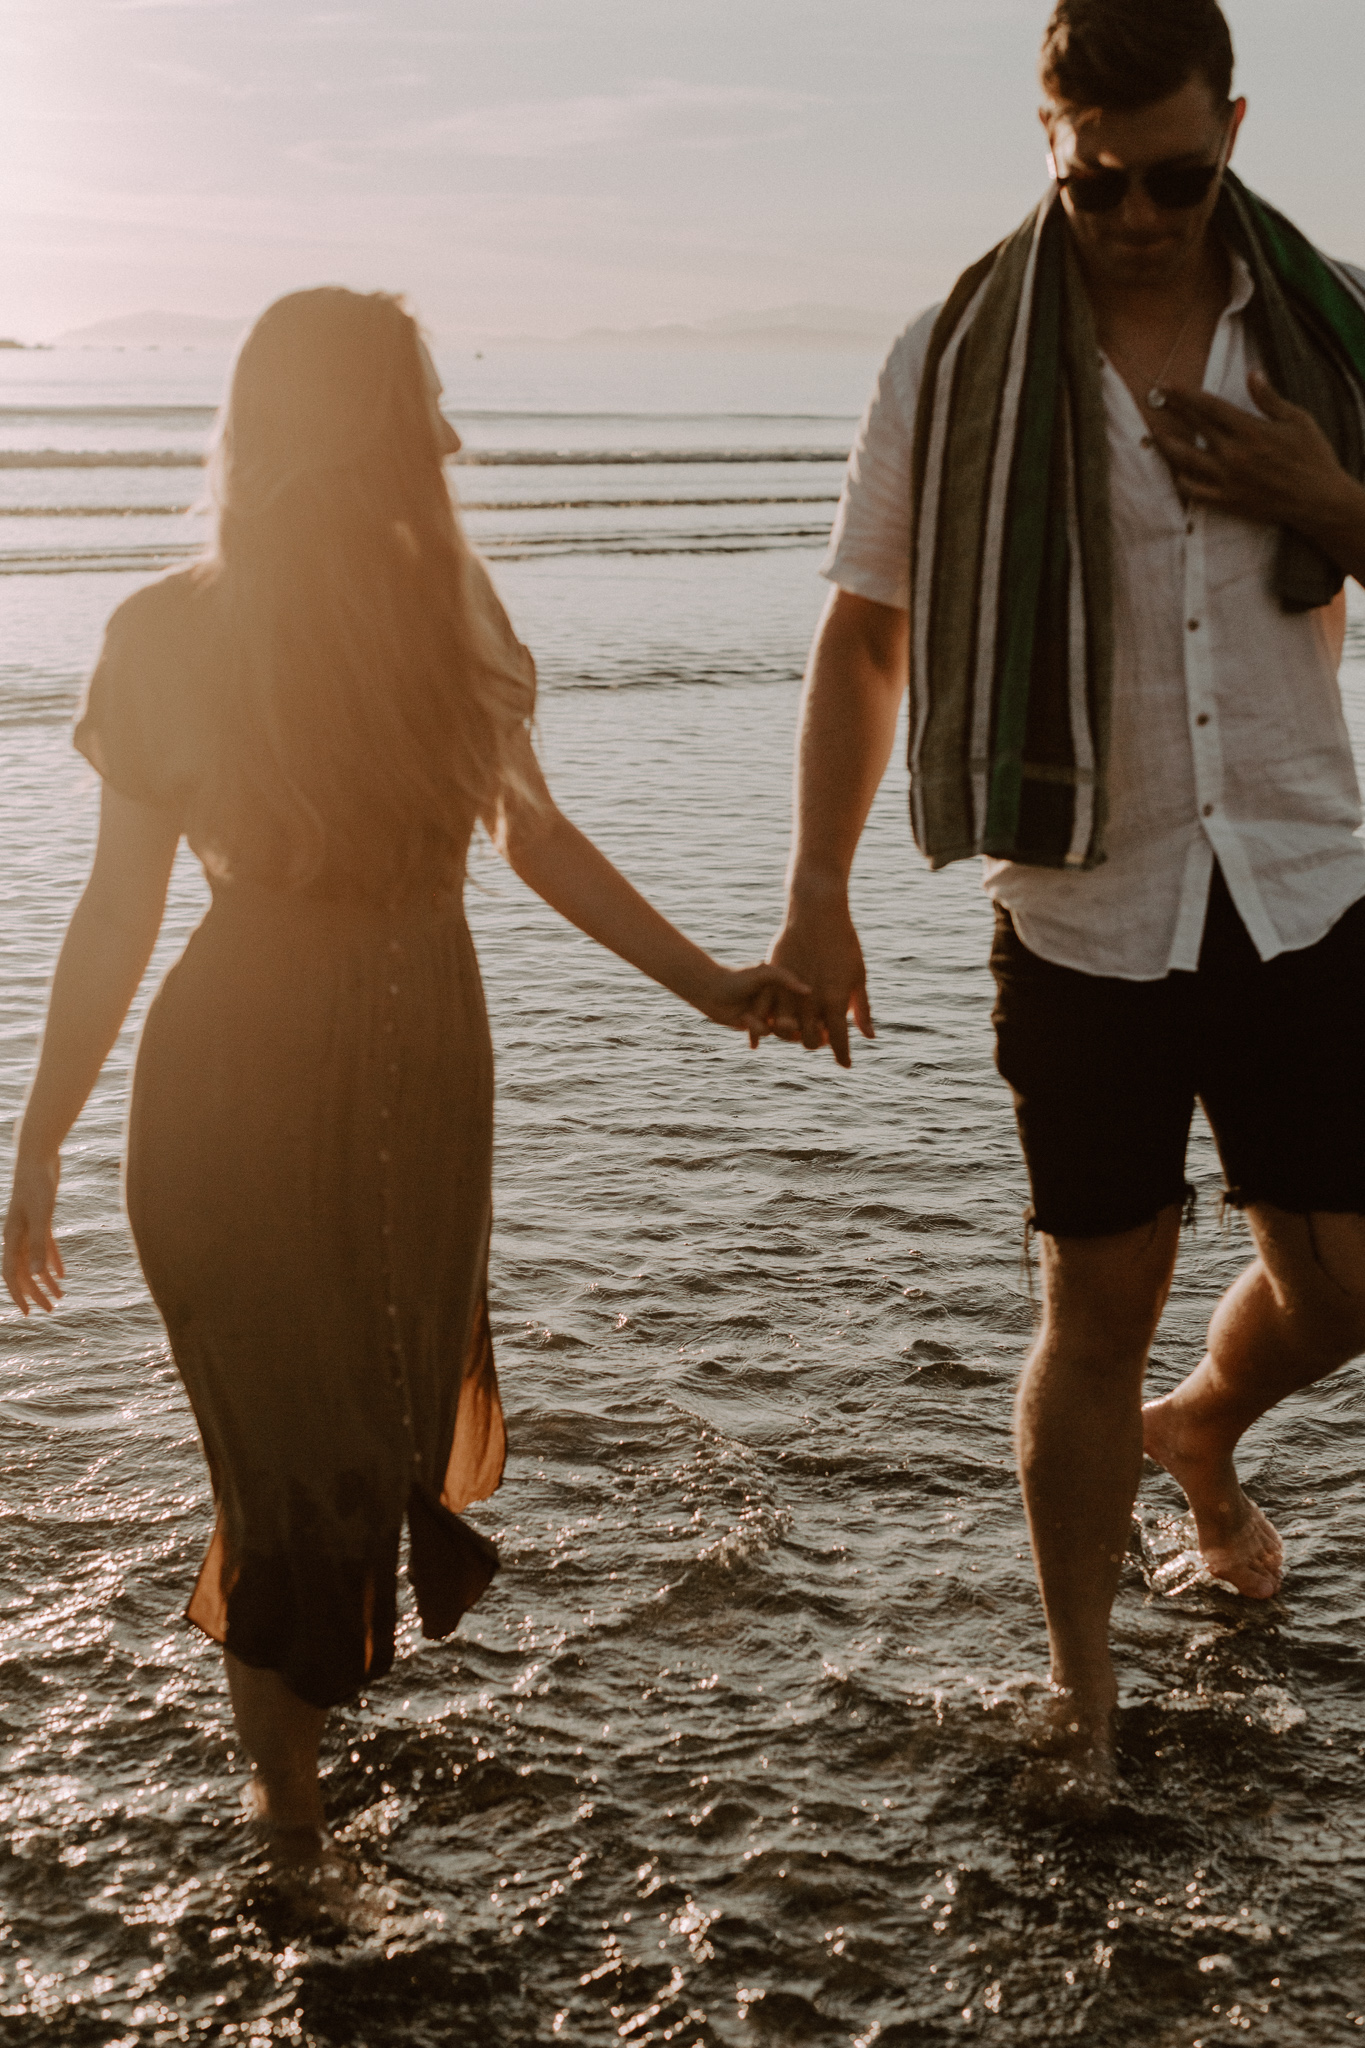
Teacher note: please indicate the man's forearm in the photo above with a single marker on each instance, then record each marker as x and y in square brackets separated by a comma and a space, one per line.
[849, 709]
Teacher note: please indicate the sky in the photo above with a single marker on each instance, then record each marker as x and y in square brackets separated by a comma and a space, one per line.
[540, 166]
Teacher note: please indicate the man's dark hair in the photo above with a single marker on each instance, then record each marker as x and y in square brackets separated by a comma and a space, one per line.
[1126, 54]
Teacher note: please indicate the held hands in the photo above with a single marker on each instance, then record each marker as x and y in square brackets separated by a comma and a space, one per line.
[33, 1266]
[746, 998]
[818, 941]
[1275, 466]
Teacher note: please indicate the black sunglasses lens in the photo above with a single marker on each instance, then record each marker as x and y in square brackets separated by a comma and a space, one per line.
[1097, 191]
[1180, 186]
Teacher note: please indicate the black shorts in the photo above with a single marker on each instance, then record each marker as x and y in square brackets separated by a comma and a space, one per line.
[1105, 1074]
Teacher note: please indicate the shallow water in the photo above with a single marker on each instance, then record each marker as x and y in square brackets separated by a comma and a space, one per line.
[731, 1751]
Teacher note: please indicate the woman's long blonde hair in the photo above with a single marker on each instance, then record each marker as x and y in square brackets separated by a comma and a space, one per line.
[375, 690]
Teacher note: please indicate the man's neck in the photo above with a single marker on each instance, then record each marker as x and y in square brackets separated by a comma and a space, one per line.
[1119, 302]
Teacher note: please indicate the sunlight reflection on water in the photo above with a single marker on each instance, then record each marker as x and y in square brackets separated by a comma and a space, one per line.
[729, 1752]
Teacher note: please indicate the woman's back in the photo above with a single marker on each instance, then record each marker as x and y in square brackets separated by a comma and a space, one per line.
[164, 722]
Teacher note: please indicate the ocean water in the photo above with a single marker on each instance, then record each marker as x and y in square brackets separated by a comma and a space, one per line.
[730, 1752]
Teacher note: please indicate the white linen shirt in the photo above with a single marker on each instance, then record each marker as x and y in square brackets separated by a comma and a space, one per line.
[1228, 738]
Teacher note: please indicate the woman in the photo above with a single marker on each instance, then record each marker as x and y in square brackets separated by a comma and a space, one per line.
[325, 707]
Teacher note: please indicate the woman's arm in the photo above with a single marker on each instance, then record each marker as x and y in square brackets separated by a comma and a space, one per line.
[564, 868]
[103, 958]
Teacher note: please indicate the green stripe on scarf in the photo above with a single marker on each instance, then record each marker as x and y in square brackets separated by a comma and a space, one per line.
[1026, 538]
[1011, 569]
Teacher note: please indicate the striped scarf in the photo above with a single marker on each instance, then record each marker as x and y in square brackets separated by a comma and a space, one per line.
[1011, 573]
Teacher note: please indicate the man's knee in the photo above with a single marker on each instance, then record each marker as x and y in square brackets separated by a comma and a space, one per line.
[1103, 1297]
[1316, 1266]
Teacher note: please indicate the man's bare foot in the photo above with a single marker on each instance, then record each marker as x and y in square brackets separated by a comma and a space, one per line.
[1072, 1774]
[1239, 1544]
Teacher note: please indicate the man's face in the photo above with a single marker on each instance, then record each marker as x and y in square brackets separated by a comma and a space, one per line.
[1141, 243]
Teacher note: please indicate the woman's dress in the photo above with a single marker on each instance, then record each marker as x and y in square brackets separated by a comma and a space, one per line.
[308, 1182]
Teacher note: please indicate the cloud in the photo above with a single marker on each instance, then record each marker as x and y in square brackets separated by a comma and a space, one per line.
[691, 116]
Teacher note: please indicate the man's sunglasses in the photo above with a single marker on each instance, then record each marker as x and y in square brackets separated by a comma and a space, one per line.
[1174, 187]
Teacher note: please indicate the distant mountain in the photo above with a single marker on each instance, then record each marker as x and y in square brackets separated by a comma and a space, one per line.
[155, 330]
[782, 327]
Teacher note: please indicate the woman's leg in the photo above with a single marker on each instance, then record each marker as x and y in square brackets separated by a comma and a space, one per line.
[280, 1733]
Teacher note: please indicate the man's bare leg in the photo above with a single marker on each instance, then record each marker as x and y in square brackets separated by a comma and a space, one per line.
[1079, 1433]
[1295, 1315]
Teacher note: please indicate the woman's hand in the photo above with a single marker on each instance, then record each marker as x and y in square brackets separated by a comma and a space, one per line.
[745, 998]
[33, 1266]
[104, 954]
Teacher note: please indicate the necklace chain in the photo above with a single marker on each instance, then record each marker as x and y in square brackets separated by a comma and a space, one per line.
[1156, 397]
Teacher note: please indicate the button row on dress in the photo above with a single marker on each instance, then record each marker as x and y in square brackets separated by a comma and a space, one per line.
[396, 1359]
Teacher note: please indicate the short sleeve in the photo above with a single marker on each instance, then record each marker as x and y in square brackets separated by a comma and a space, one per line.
[136, 728]
[490, 613]
[869, 548]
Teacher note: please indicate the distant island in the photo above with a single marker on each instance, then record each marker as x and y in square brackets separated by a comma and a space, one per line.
[156, 330]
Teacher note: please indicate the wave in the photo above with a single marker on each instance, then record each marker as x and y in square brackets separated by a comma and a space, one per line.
[468, 458]
[466, 505]
[94, 511]
[155, 556]
[204, 415]
[101, 458]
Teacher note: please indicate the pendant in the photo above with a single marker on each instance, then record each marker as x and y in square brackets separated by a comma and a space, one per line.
[1156, 398]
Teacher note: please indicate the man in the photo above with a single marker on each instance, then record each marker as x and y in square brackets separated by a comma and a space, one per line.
[1108, 552]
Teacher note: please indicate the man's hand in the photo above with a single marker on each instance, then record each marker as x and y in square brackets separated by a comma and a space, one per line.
[818, 943]
[854, 685]
[1275, 466]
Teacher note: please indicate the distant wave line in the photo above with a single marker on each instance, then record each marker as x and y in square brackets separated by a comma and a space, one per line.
[101, 458]
[204, 415]
[505, 548]
[94, 511]
[504, 458]
[466, 505]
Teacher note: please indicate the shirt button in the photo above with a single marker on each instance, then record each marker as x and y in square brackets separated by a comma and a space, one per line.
[1194, 625]
[1202, 719]
[1209, 810]
[1147, 441]
[1189, 526]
